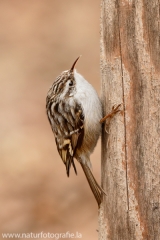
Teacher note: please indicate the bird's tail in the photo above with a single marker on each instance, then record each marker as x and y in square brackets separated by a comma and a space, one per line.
[96, 189]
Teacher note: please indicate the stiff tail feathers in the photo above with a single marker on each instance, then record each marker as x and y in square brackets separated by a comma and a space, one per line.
[96, 189]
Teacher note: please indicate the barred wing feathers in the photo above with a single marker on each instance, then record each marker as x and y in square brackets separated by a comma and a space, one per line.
[67, 125]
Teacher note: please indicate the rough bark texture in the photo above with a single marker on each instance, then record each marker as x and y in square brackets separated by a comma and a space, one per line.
[130, 68]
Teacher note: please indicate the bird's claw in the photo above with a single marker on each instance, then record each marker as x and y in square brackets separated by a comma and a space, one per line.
[115, 109]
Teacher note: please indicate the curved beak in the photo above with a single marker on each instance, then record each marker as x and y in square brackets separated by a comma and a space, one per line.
[72, 68]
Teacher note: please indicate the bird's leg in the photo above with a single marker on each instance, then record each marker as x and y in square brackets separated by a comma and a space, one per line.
[111, 114]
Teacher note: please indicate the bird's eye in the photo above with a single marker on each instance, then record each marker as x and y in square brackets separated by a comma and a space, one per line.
[71, 83]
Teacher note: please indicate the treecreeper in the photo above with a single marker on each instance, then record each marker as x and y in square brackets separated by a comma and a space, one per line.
[74, 111]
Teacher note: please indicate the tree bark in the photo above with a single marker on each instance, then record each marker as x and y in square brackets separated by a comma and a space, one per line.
[130, 69]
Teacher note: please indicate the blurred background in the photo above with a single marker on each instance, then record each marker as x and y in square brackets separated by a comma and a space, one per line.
[38, 40]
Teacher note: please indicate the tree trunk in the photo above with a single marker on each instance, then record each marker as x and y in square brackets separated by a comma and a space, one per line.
[130, 69]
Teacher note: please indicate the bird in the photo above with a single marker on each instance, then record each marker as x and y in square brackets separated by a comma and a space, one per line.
[74, 111]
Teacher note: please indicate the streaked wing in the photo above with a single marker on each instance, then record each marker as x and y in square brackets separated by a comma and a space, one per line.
[66, 119]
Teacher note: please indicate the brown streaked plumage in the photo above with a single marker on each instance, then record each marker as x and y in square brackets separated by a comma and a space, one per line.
[74, 111]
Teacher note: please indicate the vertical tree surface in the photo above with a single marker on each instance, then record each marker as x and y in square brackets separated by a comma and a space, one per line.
[130, 69]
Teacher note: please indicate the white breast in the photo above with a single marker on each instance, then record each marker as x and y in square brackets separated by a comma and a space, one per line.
[88, 98]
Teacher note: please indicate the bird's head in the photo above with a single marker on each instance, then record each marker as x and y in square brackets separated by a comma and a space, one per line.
[64, 85]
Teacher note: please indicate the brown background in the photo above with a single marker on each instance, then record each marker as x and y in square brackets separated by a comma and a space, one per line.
[38, 40]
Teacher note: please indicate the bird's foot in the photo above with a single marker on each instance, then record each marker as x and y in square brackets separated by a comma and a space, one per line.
[115, 109]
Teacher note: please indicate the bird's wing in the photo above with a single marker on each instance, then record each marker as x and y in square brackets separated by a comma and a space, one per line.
[67, 121]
